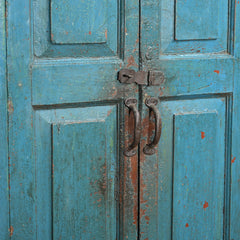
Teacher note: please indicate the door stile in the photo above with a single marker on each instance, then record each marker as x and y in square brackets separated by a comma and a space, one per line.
[21, 158]
[4, 188]
[235, 163]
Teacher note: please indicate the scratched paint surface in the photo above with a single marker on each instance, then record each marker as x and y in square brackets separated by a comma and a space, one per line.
[83, 21]
[198, 176]
[43, 74]
[4, 219]
[190, 26]
[194, 69]
[183, 196]
[84, 173]
[79, 76]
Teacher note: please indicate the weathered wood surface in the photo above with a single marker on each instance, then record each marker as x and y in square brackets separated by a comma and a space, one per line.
[201, 77]
[63, 95]
[79, 75]
[4, 190]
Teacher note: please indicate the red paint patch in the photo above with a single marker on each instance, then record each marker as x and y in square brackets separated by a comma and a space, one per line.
[205, 205]
[233, 160]
[90, 33]
[202, 135]
[217, 71]
[187, 225]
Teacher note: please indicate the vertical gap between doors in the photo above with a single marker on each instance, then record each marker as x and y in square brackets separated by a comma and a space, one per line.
[140, 96]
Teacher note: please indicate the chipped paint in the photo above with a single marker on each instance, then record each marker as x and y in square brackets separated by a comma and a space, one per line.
[205, 205]
[10, 107]
[131, 62]
[11, 230]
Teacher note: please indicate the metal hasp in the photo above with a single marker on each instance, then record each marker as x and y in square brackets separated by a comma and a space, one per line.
[147, 78]
[151, 103]
[131, 103]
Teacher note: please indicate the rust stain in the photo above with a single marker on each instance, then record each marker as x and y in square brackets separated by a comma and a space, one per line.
[147, 218]
[11, 229]
[90, 33]
[106, 33]
[217, 71]
[131, 62]
[134, 179]
[52, 36]
[205, 205]
[66, 33]
[203, 135]
[187, 225]
[233, 160]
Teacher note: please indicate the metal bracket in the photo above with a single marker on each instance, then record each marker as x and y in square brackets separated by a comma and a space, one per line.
[147, 78]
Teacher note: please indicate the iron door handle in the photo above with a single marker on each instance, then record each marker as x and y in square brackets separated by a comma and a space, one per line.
[151, 103]
[131, 103]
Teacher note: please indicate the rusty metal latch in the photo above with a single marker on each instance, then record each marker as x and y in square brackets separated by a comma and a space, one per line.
[147, 78]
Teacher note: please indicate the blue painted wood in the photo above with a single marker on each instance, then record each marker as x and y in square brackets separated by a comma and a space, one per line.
[201, 76]
[158, 20]
[196, 20]
[101, 37]
[186, 171]
[80, 21]
[4, 191]
[76, 186]
[21, 160]
[78, 78]
[235, 163]
[198, 177]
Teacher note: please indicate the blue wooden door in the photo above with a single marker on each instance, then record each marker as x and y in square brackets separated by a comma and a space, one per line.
[64, 125]
[67, 177]
[189, 188]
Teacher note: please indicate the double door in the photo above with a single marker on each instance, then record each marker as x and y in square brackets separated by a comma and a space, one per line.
[67, 127]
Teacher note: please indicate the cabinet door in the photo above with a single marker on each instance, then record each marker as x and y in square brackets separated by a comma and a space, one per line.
[68, 178]
[189, 188]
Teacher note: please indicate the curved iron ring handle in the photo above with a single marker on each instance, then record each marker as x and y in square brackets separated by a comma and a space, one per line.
[131, 103]
[151, 103]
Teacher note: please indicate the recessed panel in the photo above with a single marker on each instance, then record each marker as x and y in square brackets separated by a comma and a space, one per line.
[76, 29]
[74, 21]
[190, 27]
[191, 164]
[77, 168]
[198, 181]
[196, 19]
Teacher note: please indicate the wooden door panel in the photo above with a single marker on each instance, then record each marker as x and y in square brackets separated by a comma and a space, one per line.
[96, 77]
[60, 69]
[80, 21]
[77, 173]
[185, 27]
[193, 44]
[77, 28]
[184, 194]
